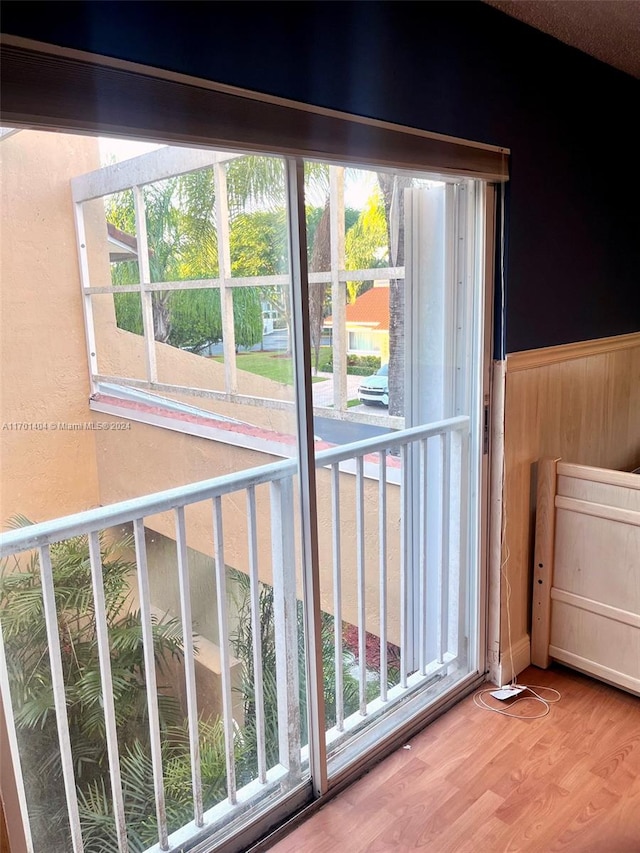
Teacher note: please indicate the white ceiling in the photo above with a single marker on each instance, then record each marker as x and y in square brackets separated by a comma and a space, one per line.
[609, 30]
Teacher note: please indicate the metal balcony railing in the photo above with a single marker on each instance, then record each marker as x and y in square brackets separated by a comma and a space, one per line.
[409, 460]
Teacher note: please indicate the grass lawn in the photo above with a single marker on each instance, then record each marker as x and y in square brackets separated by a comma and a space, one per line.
[273, 365]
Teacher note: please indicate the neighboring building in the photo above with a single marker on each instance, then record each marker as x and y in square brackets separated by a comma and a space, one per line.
[122, 246]
[367, 323]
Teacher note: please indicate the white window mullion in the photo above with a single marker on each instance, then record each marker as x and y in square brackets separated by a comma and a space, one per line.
[338, 288]
[87, 305]
[146, 297]
[475, 501]
[224, 265]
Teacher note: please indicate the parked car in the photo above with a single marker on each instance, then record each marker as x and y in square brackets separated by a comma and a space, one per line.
[375, 388]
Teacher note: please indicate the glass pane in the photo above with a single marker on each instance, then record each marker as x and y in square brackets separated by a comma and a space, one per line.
[207, 394]
[30, 683]
[193, 329]
[112, 260]
[122, 245]
[120, 343]
[395, 337]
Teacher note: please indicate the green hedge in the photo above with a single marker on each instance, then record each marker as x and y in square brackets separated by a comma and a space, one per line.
[357, 365]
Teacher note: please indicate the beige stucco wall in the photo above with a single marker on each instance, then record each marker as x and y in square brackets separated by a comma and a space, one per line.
[146, 459]
[43, 366]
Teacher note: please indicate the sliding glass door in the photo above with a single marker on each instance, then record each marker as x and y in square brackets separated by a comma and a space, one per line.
[396, 316]
[297, 515]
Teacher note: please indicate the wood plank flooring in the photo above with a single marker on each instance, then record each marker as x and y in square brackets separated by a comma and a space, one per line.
[477, 782]
[4, 837]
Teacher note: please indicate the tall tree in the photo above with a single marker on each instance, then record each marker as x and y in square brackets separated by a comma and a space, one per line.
[393, 187]
[163, 235]
[366, 241]
[182, 246]
[30, 678]
[319, 261]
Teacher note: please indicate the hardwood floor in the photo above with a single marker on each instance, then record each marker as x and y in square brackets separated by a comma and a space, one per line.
[477, 782]
[4, 837]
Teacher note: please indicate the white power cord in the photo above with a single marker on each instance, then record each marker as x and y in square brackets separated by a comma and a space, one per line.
[481, 702]
[513, 690]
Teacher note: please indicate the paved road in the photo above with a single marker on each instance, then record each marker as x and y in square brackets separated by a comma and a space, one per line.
[272, 342]
[328, 429]
[344, 432]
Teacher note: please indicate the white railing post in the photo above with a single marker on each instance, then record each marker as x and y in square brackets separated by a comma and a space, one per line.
[361, 576]
[12, 737]
[444, 576]
[225, 655]
[150, 680]
[405, 536]
[459, 541]
[337, 596]
[256, 633]
[59, 697]
[285, 607]
[104, 656]
[189, 662]
[423, 548]
[382, 535]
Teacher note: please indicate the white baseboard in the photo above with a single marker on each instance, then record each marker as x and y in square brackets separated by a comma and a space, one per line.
[520, 654]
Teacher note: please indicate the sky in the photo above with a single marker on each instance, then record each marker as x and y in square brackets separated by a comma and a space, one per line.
[116, 150]
[357, 191]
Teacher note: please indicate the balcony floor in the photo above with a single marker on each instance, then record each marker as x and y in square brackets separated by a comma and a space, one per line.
[476, 782]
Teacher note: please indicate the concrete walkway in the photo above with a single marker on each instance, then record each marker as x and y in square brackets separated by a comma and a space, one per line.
[323, 391]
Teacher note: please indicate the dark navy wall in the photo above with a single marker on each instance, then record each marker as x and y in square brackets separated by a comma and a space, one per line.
[460, 68]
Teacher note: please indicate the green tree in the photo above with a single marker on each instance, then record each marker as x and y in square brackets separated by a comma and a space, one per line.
[119, 211]
[182, 246]
[26, 645]
[24, 633]
[25, 638]
[366, 242]
[259, 243]
[183, 243]
[242, 642]
[392, 188]
[96, 812]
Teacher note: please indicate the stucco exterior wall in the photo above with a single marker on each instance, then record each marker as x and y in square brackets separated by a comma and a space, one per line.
[45, 471]
[146, 459]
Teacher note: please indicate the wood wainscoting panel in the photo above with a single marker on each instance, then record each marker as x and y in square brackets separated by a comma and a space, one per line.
[580, 403]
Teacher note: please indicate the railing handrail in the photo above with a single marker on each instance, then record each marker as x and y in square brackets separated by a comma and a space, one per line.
[92, 520]
[383, 442]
